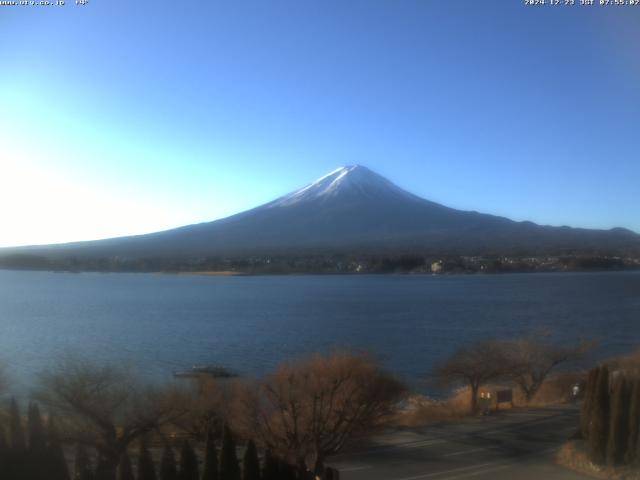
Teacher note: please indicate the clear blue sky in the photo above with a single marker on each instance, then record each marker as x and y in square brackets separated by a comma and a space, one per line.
[125, 117]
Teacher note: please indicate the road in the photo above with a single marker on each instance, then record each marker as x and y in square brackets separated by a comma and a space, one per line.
[516, 444]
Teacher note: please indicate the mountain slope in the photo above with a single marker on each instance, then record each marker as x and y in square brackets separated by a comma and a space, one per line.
[353, 209]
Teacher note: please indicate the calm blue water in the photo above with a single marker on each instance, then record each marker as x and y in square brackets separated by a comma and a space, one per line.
[160, 323]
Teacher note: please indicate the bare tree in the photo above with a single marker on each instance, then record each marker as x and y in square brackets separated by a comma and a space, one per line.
[531, 359]
[310, 409]
[474, 366]
[103, 407]
[205, 408]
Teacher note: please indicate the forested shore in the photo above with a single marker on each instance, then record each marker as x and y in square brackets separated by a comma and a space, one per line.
[329, 264]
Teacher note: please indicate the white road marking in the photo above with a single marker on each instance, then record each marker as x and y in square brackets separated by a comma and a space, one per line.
[386, 448]
[493, 466]
[527, 414]
[506, 429]
[421, 444]
[514, 430]
[464, 451]
[354, 468]
[444, 472]
[474, 474]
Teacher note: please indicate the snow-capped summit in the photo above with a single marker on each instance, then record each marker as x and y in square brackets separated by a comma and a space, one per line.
[348, 181]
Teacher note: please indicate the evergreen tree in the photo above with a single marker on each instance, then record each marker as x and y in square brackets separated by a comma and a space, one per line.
[56, 461]
[146, 470]
[250, 462]
[286, 471]
[634, 424]
[83, 469]
[210, 471]
[37, 456]
[168, 469]
[17, 464]
[3, 451]
[104, 470]
[599, 426]
[587, 402]
[125, 470]
[188, 463]
[269, 467]
[619, 424]
[229, 467]
[16, 434]
[37, 440]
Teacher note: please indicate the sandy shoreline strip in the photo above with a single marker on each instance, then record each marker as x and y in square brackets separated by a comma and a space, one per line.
[208, 273]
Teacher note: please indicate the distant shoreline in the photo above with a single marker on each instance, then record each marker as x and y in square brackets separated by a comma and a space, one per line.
[208, 273]
[225, 273]
[339, 264]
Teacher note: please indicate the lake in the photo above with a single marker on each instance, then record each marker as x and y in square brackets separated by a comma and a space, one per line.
[162, 323]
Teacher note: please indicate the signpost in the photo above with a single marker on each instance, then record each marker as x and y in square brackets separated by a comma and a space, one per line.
[504, 396]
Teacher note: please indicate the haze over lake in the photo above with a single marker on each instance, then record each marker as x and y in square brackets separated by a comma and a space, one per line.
[162, 323]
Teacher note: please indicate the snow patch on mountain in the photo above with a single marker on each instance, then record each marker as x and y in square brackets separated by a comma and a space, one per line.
[353, 180]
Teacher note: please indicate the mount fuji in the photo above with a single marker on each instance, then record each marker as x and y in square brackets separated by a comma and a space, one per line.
[351, 210]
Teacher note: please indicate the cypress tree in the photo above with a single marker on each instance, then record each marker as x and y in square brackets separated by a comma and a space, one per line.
[3, 451]
[56, 461]
[37, 441]
[16, 434]
[250, 462]
[18, 466]
[634, 424]
[269, 467]
[599, 426]
[188, 463]
[210, 471]
[146, 470]
[286, 471]
[619, 424]
[168, 469]
[587, 402]
[83, 469]
[104, 471]
[229, 467]
[35, 466]
[125, 470]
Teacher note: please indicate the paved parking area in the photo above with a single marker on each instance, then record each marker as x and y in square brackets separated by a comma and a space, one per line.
[516, 444]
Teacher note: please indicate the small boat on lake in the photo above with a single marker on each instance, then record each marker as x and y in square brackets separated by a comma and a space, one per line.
[214, 371]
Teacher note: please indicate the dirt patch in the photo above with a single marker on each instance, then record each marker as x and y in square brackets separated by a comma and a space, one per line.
[573, 456]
